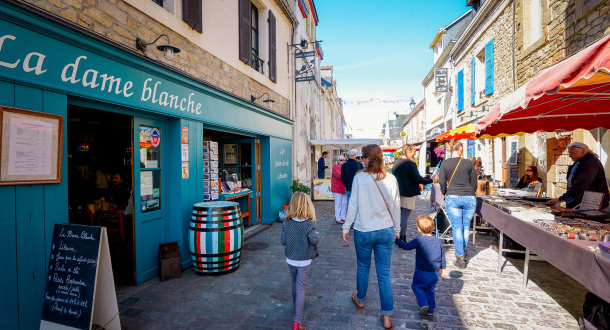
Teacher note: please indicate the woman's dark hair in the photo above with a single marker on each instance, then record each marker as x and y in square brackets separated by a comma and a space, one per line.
[375, 156]
[533, 177]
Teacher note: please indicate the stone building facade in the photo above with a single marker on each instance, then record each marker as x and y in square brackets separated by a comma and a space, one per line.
[561, 29]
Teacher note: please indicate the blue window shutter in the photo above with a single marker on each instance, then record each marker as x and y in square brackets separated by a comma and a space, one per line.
[489, 67]
[460, 90]
[472, 78]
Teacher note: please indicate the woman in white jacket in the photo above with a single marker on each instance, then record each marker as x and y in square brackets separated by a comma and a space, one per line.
[374, 208]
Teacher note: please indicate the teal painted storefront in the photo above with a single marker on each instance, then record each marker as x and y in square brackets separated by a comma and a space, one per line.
[46, 66]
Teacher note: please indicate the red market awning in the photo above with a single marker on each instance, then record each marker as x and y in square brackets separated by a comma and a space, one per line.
[462, 132]
[572, 94]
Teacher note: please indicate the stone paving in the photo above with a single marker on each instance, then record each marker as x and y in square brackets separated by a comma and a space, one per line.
[257, 295]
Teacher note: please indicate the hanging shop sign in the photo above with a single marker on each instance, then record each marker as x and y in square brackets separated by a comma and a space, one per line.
[304, 54]
[441, 82]
[307, 78]
[403, 134]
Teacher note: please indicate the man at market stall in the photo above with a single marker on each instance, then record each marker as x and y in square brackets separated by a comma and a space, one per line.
[586, 174]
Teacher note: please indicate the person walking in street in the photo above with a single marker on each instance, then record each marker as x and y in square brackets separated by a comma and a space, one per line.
[374, 208]
[429, 264]
[458, 180]
[409, 179]
[301, 239]
[348, 171]
[322, 165]
[338, 190]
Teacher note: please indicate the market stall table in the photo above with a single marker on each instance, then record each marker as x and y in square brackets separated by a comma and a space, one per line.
[573, 257]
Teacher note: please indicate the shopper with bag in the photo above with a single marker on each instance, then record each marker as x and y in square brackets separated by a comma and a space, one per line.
[374, 208]
[458, 181]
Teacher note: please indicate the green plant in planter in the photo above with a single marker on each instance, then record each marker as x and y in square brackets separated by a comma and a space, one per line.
[297, 186]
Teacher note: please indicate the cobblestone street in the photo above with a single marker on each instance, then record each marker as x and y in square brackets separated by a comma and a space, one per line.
[257, 295]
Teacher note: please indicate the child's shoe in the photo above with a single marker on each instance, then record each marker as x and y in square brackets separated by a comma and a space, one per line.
[298, 326]
[424, 310]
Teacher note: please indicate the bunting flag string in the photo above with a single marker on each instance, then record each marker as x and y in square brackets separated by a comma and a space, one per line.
[374, 100]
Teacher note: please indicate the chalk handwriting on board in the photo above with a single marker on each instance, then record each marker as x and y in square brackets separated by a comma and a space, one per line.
[68, 298]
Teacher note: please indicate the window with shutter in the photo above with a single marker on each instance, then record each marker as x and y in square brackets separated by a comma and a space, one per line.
[472, 82]
[245, 30]
[272, 48]
[191, 14]
[489, 67]
[460, 90]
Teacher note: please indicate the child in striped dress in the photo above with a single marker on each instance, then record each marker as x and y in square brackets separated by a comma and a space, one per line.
[301, 240]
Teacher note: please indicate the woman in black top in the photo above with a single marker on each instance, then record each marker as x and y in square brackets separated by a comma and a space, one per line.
[458, 181]
[405, 171]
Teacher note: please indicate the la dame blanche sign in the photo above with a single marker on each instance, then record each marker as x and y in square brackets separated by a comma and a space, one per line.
[44, 61]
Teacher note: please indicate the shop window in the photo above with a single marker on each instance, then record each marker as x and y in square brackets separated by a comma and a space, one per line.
[240, 169]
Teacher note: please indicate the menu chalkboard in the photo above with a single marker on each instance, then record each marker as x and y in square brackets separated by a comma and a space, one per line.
[68, 297]
[80, 287]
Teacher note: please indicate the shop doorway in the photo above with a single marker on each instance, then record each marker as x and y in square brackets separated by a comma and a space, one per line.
[100, 184]
[232, 172]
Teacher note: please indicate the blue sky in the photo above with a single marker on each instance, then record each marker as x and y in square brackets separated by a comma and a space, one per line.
[380, 49]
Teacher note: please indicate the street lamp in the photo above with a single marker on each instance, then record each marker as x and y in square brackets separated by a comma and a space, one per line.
[412, 104]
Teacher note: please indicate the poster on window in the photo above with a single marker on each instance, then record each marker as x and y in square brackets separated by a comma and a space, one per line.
[230, 154]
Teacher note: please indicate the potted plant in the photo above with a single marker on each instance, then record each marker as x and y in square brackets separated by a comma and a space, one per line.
[297, 186]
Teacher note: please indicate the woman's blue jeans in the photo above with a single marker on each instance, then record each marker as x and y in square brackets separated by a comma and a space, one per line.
[382, 242]
[460, 210]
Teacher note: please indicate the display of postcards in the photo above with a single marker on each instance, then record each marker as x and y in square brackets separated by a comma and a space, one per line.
[214, 183]
[206, 177]
[206, 170]
[214, 176]
[213, 144]
[214, 151]
[214, 195]
[206, 163]
[206, 183]
[205, 150]
[206, 144]
[206, 196]
[215, 170]
[206, 156]
[213, 157]
[214, 163]
[206, 190]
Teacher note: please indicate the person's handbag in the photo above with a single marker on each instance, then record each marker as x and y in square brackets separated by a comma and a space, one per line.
[386, 203]
[455, 170]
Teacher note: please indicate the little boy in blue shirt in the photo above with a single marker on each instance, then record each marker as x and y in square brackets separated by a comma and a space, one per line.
[429, 264]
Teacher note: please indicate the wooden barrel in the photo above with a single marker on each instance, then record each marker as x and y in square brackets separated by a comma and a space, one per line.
[216, 237]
